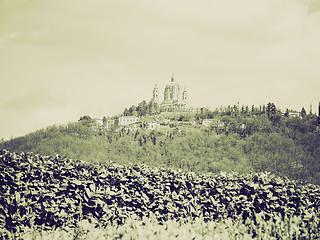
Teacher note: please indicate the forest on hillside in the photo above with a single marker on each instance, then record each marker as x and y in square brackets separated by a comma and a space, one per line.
[244, 140]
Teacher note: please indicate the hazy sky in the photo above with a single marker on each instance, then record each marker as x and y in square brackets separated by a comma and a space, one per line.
[63, 59]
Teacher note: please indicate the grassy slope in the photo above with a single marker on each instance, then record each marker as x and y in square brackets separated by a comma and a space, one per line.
[286, 152]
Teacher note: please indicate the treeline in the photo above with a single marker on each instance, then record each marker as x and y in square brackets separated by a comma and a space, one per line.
[144, 108]
[235, 111]
[238, 139]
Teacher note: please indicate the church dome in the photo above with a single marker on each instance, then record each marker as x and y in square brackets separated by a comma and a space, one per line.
[172, 83]
[172, 91]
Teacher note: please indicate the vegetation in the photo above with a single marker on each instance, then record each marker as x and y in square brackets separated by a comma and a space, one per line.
[142, 109]
[240, 139]
[48, 196]
[274, 228]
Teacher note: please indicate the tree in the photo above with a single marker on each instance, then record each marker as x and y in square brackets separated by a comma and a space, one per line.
[236, 110]
[228, 112]
[271, 109]
[303, 112]
[243, 111]
[126, 112]
[142, 108]
[273, 114]
[133, 111]
[104, 120]
[287, 113]
[181, 118]
[86, 120]
[247, 110]
[153, 107]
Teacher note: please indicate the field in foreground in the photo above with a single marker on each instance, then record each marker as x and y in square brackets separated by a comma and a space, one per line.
[51, 197]
[274, 228]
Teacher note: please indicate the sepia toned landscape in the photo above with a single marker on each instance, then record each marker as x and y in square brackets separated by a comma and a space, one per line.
[159, 120]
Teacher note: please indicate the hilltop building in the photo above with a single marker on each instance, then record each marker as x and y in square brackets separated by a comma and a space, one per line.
[175, 100]
[128, 120]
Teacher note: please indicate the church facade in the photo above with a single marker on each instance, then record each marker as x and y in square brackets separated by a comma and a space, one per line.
[175, 99]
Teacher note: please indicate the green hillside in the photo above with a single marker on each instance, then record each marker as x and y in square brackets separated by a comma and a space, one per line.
[230, 139]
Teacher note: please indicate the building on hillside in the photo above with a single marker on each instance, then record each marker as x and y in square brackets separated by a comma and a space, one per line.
[127, 120]
[294, 114]
[213, 122]
[175, 99]
[109, 123]
[98, 121]
[207, 122]
[132, 127]
[97, 124]
[152, 125]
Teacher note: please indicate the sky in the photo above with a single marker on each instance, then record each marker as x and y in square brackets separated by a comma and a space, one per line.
[62, 59]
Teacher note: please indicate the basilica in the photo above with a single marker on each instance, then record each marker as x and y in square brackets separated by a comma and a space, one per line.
[175, 100]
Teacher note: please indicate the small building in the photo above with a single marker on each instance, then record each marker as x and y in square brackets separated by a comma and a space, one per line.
[152, 125]
[207, 122]
[294, 114]
[108, 123]
[126, 120]
[132, 127]
[150, 122]
[99, 121]
[218, 124]
[212, 122]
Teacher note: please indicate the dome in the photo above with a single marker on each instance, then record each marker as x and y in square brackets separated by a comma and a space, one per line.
[172, 91]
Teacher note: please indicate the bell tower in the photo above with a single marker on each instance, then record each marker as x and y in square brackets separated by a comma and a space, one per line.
[185, 95]
[155, 93]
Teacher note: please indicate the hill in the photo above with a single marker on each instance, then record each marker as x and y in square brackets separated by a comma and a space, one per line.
[227, 139]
